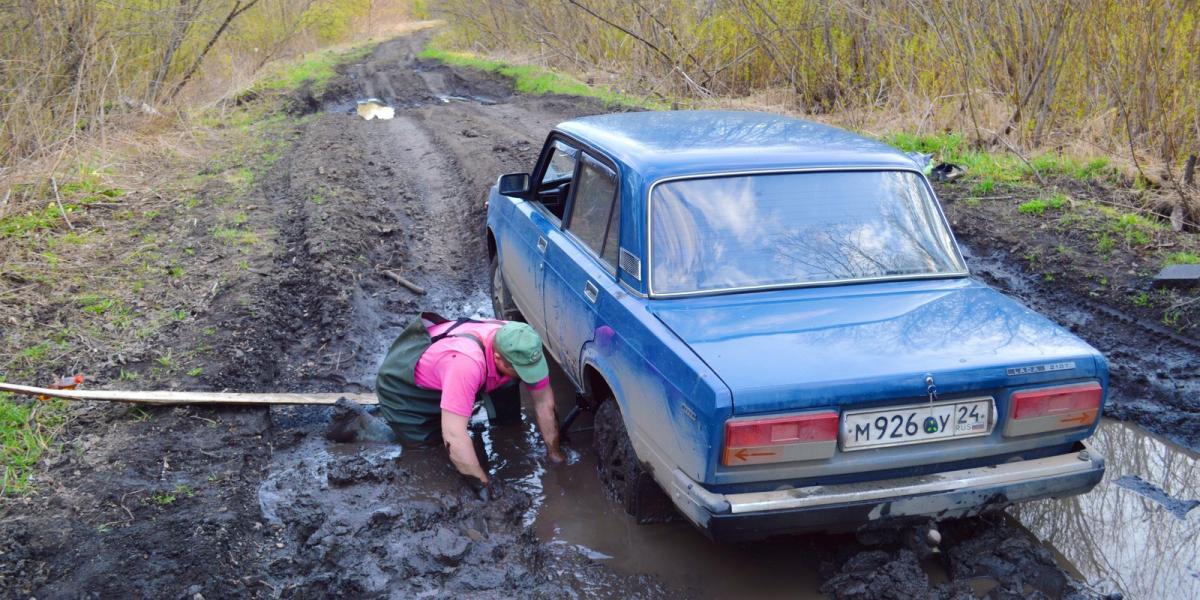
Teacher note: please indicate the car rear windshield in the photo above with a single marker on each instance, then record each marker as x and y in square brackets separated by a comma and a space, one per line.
[727, 233]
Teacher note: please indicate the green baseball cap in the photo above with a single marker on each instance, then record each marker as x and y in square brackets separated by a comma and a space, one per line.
[520, 345]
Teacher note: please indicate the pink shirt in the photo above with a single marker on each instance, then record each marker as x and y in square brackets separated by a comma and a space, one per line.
[457, 367]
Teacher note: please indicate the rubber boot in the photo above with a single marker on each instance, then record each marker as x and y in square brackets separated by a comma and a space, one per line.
[350, 422]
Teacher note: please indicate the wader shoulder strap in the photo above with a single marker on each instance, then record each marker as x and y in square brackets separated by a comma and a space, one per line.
[443, 335]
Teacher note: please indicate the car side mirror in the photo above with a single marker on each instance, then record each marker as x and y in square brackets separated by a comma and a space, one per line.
[515, 185]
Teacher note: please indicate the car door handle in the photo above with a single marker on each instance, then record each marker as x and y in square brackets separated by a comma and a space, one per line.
[591, 292]
[541, 244]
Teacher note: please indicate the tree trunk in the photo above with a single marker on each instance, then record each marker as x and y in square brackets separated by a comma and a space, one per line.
[185, 13]
[235, 12]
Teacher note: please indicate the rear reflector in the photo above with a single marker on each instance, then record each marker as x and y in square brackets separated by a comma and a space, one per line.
[807, 436]
[1051, 409]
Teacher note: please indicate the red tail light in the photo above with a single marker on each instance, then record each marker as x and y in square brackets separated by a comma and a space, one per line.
[1050, 409]
[807, 436]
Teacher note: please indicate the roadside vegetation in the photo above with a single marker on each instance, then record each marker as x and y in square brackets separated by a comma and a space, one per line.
[120, 223]
[530, 79]
[1066, 118]
[1095, 81]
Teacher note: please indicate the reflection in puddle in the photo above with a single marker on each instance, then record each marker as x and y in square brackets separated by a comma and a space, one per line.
[372, 108]
[1114, 538]
[570, 509]
[1126, 539]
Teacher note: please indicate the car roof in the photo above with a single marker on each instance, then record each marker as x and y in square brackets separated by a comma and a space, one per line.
[660, 144]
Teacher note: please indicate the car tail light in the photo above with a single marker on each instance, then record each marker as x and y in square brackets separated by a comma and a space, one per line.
[807, 436]
[1054, 408]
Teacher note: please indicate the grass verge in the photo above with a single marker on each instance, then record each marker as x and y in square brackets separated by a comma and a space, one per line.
[530, 79]
[1002, 167]
[27, 429]
[315, 68]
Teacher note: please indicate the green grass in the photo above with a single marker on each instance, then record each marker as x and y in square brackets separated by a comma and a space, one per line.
[27, 429]
[37, 351]
[1182, 258]
[236, 236]
[953, 148]
[1001, 167]
[22, 225]
[1133, 228]
[167, 498]
[535, 80]
[1038, 206]
[316, 68]
[985, 186]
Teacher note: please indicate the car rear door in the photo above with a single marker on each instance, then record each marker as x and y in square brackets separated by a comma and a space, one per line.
[527, 238]
[581, 263]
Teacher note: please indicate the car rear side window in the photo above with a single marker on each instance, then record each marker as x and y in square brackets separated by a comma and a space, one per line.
[592, 210]
[612, 240]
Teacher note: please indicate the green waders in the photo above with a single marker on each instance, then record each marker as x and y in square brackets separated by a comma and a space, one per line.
[413, 412]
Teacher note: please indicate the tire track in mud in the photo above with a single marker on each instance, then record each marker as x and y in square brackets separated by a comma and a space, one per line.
[1155, 372]
[372, 520]
[299, 517]
[445, 150]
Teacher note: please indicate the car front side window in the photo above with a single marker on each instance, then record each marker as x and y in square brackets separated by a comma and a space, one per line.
[554, 185]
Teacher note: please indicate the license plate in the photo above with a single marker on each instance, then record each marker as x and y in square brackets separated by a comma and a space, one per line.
[916, 424]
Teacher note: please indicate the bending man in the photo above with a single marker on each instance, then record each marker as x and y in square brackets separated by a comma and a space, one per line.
[437, 370]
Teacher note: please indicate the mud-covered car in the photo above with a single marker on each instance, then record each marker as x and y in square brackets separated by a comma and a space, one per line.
[775, 325]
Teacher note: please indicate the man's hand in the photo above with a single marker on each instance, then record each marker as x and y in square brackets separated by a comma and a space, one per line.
[458, 444]
[486, 491]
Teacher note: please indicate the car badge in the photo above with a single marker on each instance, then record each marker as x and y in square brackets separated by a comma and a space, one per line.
[931, 425]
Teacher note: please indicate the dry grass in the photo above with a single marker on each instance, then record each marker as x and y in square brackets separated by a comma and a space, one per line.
[1088, 78]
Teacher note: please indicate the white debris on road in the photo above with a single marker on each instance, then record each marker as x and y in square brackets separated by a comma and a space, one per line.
[372, 108]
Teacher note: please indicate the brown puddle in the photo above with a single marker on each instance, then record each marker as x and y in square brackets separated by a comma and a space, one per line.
[1128, 540]
[1114, 538]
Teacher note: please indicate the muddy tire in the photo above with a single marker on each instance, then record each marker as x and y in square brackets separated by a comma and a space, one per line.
[502, 302]
[620, 471]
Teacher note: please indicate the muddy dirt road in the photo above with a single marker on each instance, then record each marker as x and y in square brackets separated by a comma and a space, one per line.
[188, 503]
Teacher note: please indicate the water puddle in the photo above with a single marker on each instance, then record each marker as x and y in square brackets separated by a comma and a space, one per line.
[448, 98]
[1134, 533]
[373, 108]
[570, 509]
[1120, 537]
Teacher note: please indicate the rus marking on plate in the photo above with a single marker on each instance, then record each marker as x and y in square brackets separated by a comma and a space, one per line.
[1061, 366]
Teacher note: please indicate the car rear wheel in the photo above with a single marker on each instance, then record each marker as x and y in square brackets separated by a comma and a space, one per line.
[502, 302]
[620, 471]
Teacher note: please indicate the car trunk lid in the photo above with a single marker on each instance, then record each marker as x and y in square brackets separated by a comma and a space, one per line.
[862, 345]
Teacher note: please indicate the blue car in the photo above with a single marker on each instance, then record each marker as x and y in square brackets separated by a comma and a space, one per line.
[777, 331]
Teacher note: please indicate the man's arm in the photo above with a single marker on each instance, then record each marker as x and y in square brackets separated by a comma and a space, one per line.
[547, 421]
[458, 443]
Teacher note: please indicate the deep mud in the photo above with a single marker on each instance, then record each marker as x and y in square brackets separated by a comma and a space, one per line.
[189, 502]
[1155, 369]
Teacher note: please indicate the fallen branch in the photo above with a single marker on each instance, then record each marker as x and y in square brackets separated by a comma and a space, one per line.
[58, 201]
[172, 398]
[394, 276]
[988, 198]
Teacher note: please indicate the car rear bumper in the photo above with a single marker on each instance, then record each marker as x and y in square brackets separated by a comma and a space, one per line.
[757, 515]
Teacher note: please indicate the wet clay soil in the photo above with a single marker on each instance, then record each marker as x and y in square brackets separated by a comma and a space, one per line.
[175, 503]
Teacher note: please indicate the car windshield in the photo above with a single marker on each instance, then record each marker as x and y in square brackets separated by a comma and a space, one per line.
[722, 233]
